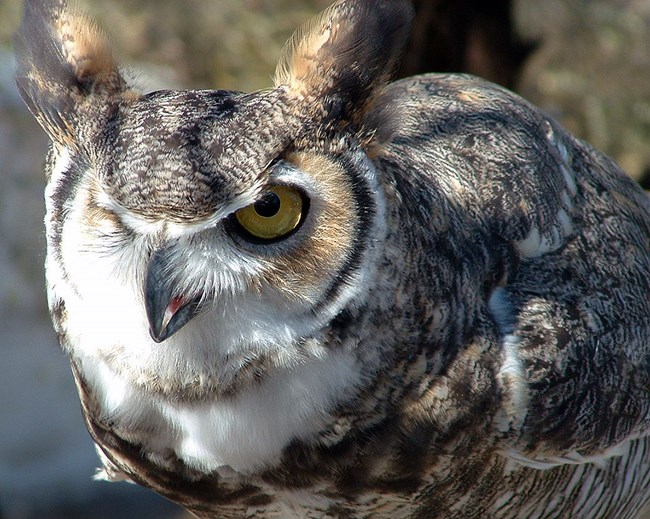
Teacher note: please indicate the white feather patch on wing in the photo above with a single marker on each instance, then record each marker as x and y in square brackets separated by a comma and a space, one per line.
[570, 458]
[511, 373]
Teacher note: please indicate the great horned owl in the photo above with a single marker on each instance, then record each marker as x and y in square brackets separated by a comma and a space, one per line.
[343, 297]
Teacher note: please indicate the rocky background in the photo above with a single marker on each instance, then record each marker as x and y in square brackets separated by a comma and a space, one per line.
[586, 62]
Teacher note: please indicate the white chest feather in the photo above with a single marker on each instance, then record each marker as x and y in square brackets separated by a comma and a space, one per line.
[244, 432]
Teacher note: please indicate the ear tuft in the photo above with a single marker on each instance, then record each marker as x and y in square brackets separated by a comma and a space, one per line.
[87, 51]
[64, 67]
[346, 53]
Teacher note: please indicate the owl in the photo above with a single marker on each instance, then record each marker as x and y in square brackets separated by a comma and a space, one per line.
[342, 296]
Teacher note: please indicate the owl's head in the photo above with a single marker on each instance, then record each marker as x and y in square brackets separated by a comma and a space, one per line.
[240, 222]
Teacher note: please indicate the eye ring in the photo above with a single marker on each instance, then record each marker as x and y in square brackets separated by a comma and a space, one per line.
[275, 215]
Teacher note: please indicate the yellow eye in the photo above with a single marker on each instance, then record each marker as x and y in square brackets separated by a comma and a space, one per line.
[275, 214]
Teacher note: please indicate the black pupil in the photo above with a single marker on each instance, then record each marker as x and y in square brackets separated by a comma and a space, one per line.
[268, 205]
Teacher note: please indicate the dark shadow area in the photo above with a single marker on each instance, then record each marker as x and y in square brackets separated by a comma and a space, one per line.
[467, 36]
[644, 180]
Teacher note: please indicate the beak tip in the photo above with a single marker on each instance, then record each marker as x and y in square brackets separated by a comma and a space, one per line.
[157, 337]
[157, 332]
[162, 328]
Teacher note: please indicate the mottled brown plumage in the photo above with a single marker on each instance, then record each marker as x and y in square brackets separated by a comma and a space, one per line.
[444, 315]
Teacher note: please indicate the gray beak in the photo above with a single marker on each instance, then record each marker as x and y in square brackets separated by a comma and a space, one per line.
[167, 310]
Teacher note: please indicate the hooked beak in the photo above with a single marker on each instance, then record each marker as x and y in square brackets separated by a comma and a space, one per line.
[167, 310]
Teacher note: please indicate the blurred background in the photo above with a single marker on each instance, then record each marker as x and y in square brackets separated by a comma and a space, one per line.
[586, 62]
